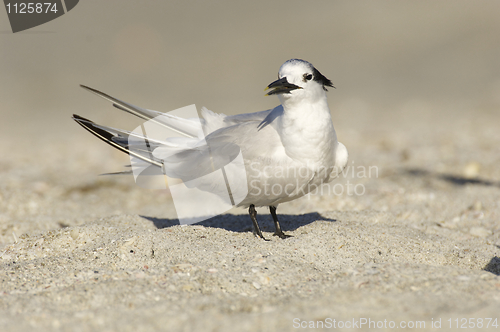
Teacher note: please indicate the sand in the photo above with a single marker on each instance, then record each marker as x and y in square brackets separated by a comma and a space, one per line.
[417, 246]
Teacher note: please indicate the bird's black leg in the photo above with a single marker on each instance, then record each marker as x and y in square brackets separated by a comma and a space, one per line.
[278, 231]
[256, 229]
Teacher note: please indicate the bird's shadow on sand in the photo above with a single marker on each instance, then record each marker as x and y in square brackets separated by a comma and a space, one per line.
[243, 223]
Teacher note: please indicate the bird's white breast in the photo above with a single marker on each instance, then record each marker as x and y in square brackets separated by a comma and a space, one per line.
[307, 134]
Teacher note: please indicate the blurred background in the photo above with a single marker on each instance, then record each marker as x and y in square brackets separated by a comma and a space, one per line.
[419, 80]
[383, 56]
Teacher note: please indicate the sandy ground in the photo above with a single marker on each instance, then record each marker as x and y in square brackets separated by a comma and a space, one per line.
[422, 243]
[419, 245]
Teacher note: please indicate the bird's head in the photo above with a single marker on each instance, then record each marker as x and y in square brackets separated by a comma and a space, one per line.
[299, 80]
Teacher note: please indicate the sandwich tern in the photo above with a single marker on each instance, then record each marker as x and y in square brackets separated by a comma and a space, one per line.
[286, 152]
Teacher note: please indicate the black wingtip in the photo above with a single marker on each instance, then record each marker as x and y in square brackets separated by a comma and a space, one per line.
[77, 118]
[89, 88]
[100, 133]
[84, 86]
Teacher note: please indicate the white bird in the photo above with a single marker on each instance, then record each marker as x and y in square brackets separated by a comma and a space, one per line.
[287, 151]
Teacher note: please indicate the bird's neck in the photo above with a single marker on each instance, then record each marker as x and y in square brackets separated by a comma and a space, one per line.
[307, 132]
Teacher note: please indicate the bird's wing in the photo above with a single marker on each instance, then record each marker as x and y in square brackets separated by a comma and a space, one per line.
[213, 121]
[271, 176]
[185, 127]
[210, 121]
[240, 118]
[232, 144]
[183, 158]
[118, 139]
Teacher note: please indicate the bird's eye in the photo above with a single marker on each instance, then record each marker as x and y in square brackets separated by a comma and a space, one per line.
[307, 77]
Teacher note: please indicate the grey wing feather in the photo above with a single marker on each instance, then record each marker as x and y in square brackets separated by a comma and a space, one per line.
[277, 111]
[117, 173]
[180, 125]
[239, 118]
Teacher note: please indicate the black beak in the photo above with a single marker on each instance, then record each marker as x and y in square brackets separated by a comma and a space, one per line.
[281, 86]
